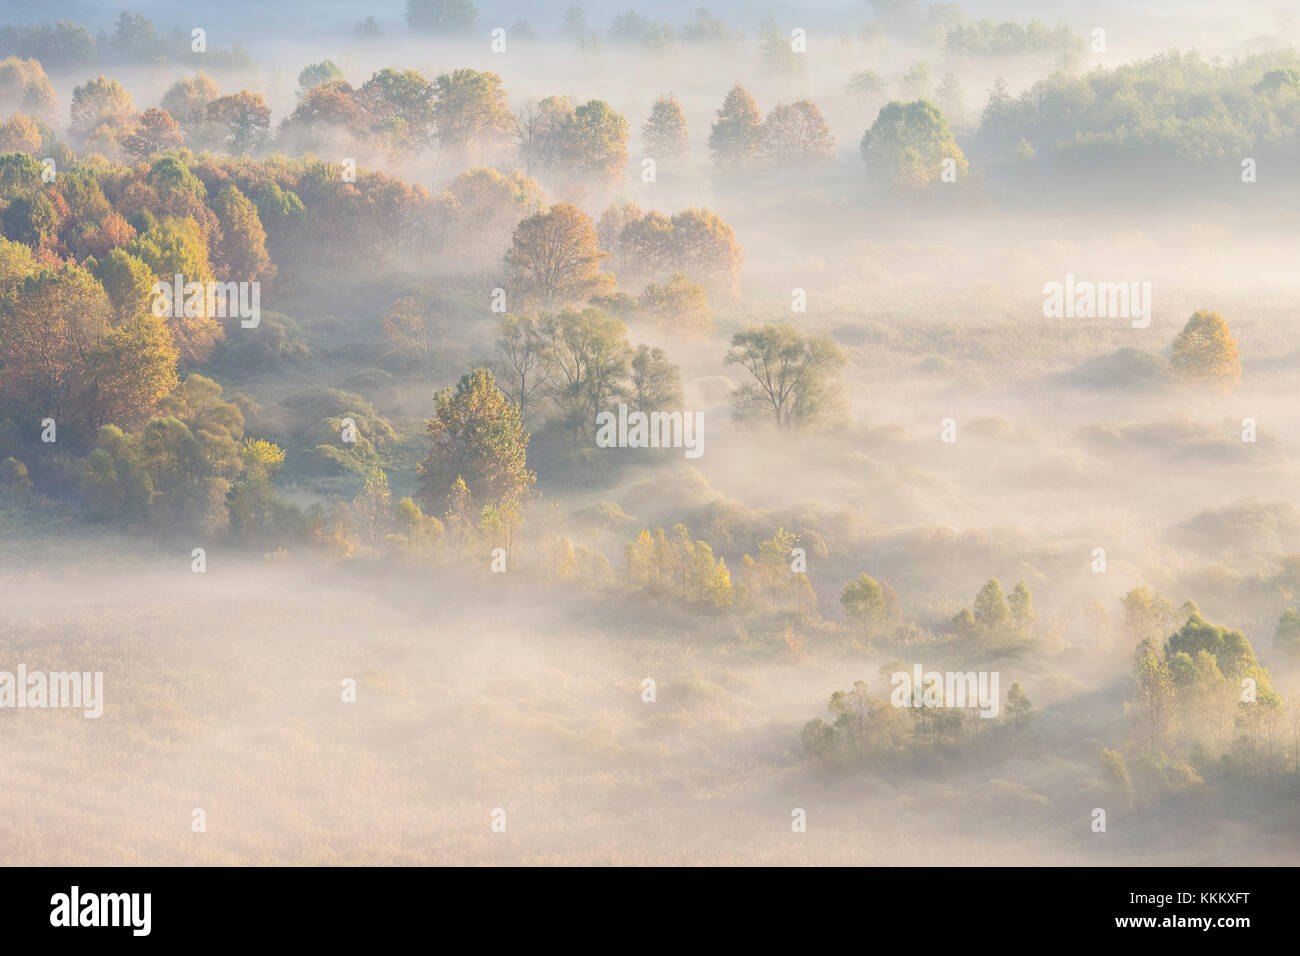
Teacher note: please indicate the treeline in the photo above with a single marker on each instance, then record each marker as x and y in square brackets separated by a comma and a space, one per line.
[1174, 107]
[134, 40]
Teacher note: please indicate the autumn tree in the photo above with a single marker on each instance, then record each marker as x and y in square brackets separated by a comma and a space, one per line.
[705, 249]
[241, 254]
[62, 357]
[24, 88]
[101, 106]
[863, 600]
[793, 134]
[372, 504]
[664, 134]
[239, 123]
[176, 247]
[156, 132]
[1206, 353]
[736, 134]
[186, 101]
[470, 110]
[908, 144]
[679, 307]
[791, 374]
[21, 134]
[478, 438]
[481, 209]
[554, 260]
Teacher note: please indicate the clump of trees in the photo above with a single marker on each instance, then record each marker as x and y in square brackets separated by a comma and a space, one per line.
[742, 140]
[1202, 706]
[996, 619]
[647, 247]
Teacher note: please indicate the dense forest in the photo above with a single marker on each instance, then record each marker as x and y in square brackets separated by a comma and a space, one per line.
[620, 408]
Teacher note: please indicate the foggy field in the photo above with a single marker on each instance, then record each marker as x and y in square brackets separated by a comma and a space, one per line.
[312, 340]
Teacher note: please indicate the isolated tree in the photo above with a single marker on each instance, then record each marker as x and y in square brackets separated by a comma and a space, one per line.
[157, 132]
[736, 133]
[478, 438]
[791, 374]
[469, 110]
[1206, 353]
[864, 601]
[1019, 709]
[795, 133]
[554, 259]
[440, 16]
[908, 143]
[664, 133]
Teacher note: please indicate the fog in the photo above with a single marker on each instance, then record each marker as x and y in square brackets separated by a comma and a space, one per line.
[977, 438]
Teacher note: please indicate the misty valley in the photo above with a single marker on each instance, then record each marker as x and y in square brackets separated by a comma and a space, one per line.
[356, 370]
